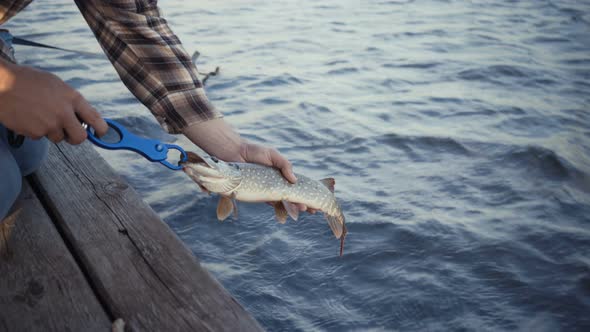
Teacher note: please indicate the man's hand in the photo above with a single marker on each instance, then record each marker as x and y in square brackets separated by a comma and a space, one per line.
[219, 139]
[35, 104]
[258, 154]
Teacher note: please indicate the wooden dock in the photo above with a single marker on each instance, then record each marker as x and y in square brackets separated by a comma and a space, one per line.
[82, 250]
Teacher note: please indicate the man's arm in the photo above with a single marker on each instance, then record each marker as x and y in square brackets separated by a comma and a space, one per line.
[217, 135]
[35, 104]
[38, 104]
[152, 63]
[150, 60]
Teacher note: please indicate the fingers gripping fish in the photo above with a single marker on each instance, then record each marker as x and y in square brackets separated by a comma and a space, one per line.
[257, 183]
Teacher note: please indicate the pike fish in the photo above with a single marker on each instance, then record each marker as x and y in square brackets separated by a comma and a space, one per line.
[256, 183]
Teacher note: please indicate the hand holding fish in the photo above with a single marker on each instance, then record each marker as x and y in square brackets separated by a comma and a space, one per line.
[217, 138]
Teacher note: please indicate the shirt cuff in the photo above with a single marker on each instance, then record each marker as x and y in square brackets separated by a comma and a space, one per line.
[181, 109]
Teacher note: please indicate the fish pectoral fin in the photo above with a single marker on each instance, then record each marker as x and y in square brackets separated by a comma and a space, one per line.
[224, 208]
[292, 210]
[280, 212]
[329, 183]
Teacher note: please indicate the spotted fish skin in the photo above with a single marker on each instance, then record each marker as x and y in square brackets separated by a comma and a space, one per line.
[256, 183]
[265, 184]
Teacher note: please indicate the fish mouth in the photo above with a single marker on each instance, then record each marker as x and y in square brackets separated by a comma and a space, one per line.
[211, 180]
[202, 168]
[205, 160]
[204, 172]
[210, 173]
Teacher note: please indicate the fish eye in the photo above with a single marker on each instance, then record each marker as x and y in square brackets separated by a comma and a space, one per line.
[215, 160]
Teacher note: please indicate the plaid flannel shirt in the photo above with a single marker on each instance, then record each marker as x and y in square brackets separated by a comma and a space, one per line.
[146, 54]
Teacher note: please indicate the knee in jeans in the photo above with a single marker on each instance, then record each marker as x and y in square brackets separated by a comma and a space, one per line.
[31, 155]
[10, 185]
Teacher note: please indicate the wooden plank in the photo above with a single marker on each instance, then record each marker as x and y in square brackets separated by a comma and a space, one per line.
[141, 270]
[41, 287]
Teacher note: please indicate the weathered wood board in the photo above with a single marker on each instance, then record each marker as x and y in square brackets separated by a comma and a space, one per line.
[41, 286]
[139, 268]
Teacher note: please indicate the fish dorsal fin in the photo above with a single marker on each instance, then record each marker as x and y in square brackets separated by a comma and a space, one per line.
[280, 212]
[224, 208]
[329, 183]
[292, 209]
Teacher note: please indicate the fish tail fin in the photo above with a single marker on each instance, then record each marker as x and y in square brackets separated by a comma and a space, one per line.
[342, 237]
[338, 227]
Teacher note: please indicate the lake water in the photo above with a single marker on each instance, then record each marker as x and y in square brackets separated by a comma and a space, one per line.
[457, 132]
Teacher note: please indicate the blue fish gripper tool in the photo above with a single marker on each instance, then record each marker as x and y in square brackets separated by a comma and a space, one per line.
[153, 150]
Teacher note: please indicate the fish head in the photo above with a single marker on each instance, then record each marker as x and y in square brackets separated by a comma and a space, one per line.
[212, 174]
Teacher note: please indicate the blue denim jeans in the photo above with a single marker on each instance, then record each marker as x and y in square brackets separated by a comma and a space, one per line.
[16, 162]
[6, 37]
